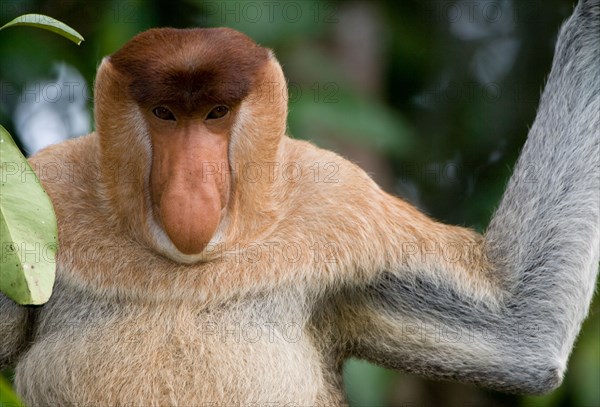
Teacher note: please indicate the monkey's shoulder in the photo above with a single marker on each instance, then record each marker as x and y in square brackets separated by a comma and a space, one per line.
[321, 187]
[68, 169]
[318, 175]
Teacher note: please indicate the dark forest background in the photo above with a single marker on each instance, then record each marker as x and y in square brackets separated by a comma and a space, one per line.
[433, 98]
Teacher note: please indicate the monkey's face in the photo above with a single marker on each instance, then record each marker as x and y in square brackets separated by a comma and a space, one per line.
[188, 86]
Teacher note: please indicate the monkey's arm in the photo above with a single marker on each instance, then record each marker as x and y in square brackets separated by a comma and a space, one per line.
[13, 328]
[502, 310]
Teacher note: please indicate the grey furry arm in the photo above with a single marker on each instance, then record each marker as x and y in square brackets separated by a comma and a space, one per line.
[541, 252]
[13, 330]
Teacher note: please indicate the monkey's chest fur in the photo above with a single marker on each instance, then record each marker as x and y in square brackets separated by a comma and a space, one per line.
[98, 353]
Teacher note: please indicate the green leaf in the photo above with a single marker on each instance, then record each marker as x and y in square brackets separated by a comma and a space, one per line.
[7, 397]
[46, 23]
[28, 231]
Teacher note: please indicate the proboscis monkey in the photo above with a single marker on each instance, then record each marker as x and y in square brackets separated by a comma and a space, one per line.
[203, 262]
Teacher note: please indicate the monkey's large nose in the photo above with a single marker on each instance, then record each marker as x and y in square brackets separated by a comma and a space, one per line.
[189, 184]
[190, 216]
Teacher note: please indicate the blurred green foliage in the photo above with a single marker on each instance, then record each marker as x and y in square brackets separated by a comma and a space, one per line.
[433, 98]
[7, 396]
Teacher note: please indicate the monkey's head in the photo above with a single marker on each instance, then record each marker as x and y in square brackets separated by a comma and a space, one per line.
[180, 115]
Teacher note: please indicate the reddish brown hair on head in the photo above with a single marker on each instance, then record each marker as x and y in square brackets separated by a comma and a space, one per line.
[186, 68]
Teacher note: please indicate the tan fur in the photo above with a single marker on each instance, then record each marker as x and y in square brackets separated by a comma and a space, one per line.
[348, 214]
[105, 257]
[291, 284]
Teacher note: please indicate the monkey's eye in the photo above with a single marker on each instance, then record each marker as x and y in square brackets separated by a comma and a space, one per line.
[218, 112]
[163, 113]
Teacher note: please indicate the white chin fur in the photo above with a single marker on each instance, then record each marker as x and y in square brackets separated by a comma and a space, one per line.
[165, 246]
